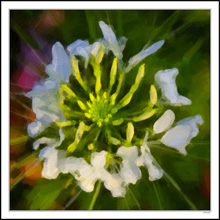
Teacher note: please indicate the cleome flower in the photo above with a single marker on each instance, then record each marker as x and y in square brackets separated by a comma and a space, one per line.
[84, 126]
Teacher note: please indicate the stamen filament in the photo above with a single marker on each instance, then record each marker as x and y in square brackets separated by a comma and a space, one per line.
[69, 93]
[127, 98]
[120, 80]
[144, 116]
[97, 73]
[77, 73]
[112, 75]
[79, 133]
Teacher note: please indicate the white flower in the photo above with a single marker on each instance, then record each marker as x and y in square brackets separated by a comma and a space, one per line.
[129, 170]
[165, 80]
[46, 103]
[180, 136]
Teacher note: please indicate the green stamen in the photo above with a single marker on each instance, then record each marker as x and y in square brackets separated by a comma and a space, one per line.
[153, 95]
[97, 73]
[66, 92]
[120, 80]
[112, 75]
[127, 98]
[145, 115]
[130, 132]
[79, 133]
[77, 73]
[100, 54]
[118, 121]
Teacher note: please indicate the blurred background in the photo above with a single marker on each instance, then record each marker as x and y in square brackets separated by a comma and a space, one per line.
[187, 47]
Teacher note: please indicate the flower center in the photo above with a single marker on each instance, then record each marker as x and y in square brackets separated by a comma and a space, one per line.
[100, 109]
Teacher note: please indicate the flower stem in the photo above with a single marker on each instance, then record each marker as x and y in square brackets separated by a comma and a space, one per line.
[95, 195]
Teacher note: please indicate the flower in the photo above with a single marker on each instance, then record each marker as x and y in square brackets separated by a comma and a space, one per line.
[92, 117]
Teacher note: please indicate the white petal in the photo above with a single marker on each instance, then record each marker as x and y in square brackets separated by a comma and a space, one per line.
[122, 42]
[51, 156]
[129, 172]
[177, 137]
[110, 40]
[164, 122]
[71, 165]
[46, 107]
[154, 172]
[98, 160]
[113, 182]
[41, 88]
[87, 178]
[191, 121]
[50, 169]
[81, 170]
[95, 48]
[84, 52]
[183, 100]
[72, 48]
[50, 142]
[35, 128]
[43, 140]
[87, 184]
[81, 48]
[128, 153]
[180, 136]
[62, 136]
[165, 80]
[133, 61]
[146, 159]
[60, 68]
[108, 33]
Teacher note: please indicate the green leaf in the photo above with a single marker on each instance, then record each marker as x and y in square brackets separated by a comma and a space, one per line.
[45, 193]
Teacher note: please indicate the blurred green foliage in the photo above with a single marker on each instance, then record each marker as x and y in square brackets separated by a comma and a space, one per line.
[187, 47]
